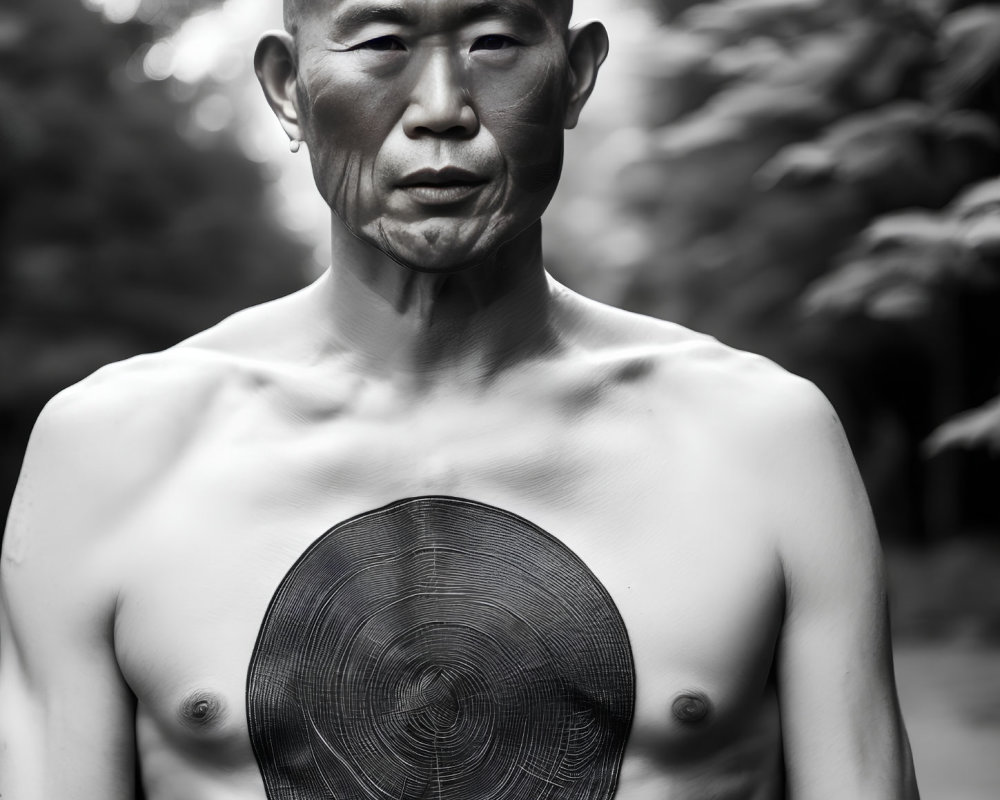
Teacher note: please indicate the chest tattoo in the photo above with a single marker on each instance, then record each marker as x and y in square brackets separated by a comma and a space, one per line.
[440, 649]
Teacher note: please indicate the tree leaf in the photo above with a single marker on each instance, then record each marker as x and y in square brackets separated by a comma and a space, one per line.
[977, 428]
[982, 236]
[732, 21]
[902, 154]
[969, 51]
[903, 301]
[980, 198]
[912, 228]
[743, 111]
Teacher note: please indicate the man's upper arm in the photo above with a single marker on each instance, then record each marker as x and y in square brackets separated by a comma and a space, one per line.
[842, 729]
[66, 715]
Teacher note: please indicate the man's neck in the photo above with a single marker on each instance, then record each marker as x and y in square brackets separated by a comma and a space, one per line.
[469, 325]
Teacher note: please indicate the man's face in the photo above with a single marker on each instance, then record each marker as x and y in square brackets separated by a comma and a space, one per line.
[435, 127]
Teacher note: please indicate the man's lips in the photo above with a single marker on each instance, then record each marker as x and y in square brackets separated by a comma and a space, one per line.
[446, 176]
[442, 186]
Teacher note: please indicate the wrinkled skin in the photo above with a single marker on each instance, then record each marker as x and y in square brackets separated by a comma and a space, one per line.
[378, 99]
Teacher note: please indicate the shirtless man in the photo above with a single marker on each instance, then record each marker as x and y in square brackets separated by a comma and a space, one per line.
[435, 526]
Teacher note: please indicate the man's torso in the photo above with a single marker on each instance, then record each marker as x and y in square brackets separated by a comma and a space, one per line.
[619, 456]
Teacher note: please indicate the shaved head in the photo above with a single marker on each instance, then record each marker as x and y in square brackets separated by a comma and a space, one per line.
[435, 127]
[293, 10]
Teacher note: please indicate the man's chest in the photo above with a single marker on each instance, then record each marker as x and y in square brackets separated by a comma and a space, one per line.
[412, 585]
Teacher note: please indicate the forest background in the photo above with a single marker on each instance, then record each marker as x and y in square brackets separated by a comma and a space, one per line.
[815, 181]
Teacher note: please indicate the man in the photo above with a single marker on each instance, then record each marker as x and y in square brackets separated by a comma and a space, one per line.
[435, 526]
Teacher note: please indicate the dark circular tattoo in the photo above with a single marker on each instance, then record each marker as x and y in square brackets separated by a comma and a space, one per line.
[440, 649]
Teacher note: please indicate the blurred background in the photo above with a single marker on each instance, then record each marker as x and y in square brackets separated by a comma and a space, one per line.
[814, 180]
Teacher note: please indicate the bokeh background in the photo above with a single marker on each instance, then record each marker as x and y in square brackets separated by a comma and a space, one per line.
[814, 180]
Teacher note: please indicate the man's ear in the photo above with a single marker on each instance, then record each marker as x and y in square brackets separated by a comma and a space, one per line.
[586, 46]
[277, 72]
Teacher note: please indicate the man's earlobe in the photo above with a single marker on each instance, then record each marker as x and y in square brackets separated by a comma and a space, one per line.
[276, 70]
[586, 46]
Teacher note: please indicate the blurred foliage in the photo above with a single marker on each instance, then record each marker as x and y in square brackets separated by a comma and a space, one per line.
[971, 429]
[122, 230]
[816, 181]
[167, 15]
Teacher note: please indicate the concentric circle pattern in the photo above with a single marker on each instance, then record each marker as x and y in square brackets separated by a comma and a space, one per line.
[444, 649]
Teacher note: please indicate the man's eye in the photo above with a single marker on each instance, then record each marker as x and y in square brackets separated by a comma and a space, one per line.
[494, 42]
[383, 44]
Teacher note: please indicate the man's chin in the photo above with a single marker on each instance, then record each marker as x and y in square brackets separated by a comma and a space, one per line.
[436, 248]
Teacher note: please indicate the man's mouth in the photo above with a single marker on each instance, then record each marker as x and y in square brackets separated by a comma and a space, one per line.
[442, 186]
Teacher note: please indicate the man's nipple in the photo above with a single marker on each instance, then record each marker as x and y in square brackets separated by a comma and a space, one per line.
[691, 708]
[201, 710]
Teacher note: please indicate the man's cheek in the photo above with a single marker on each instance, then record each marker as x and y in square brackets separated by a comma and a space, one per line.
[343, 160]
[541, 175]
[527, 123]
[534, 154]
[352, 116]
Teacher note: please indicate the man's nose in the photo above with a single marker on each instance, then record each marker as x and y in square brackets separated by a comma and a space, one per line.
[439, 103]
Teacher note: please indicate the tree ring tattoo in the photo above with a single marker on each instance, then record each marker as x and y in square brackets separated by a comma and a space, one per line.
[440, 649]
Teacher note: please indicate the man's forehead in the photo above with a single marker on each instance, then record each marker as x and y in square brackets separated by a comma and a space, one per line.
[297, 10]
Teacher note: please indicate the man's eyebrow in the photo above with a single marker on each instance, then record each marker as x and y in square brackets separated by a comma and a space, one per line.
[358, 15]
[514, 10]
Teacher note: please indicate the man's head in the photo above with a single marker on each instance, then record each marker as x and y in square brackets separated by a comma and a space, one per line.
[435, 127]
[294, 9]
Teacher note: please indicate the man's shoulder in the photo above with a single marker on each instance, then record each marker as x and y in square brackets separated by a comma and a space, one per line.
[774, 432]
[741, 405]
[125, 424]
[682, 366]
[166, 385]
[172, 387]
[105, 445]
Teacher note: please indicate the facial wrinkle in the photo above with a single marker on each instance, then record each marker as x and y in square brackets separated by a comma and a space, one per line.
[482, 661]
[355, 184]
[348, 194]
